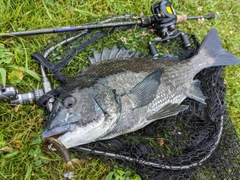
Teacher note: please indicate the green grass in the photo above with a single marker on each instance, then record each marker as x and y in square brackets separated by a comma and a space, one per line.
[21, 126]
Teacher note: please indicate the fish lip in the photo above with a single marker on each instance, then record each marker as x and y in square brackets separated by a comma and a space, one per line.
[59, 130]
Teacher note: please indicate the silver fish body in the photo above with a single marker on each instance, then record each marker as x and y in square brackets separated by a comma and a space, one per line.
[127, 91]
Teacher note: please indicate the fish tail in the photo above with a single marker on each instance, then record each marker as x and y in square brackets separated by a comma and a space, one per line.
[211, 53]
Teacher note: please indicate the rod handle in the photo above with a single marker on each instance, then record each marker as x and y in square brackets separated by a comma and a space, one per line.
[183, 18]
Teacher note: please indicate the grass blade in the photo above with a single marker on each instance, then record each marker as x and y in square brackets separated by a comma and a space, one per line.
[3, 76]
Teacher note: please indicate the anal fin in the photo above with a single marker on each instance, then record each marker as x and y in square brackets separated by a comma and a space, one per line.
[167, 111]
[195, 92]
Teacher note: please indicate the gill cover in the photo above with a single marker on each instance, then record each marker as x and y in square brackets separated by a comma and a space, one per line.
[81, 108]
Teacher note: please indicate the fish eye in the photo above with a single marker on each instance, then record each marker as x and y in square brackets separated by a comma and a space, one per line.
[69, 102]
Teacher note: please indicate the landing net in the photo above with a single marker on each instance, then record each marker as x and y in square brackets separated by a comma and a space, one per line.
[199, 143]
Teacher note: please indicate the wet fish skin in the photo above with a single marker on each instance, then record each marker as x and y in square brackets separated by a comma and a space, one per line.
[86, 119]
[122, 95]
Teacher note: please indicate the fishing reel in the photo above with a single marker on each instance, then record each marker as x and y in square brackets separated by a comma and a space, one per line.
[164, 22]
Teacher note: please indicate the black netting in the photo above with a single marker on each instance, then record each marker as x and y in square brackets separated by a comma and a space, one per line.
[199, 143]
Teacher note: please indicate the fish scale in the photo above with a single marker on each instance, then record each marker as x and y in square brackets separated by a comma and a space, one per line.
[171, 91]
[128, 91]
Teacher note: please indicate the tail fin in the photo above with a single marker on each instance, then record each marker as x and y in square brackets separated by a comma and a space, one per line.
[212, 52]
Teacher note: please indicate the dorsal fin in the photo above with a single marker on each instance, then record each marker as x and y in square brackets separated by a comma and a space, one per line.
[113, 54]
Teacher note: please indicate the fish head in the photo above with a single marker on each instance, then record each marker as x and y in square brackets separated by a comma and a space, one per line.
[81, 110]
[70, 110]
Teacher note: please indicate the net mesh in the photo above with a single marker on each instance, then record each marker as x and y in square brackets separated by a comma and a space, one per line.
[199, 143]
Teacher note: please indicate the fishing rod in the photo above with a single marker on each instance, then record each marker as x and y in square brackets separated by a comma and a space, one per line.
[143, 22]
[163, 20]
[68, 29]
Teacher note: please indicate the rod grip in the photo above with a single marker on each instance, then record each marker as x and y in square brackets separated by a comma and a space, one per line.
[181, 18]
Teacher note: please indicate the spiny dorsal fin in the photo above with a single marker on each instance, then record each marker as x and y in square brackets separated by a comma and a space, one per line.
[113, 54]
[105, 54]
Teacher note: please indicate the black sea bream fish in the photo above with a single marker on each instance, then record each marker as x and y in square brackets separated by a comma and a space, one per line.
[126, 91]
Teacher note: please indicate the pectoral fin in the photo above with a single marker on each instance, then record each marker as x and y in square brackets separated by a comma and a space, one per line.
[167, 111]
[145, 91]
[195, 92]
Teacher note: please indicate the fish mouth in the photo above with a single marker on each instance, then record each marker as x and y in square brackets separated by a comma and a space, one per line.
[58, 131]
